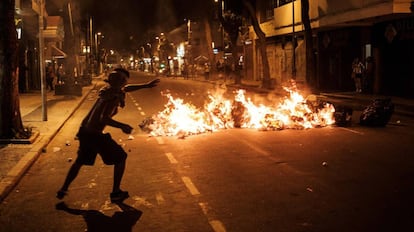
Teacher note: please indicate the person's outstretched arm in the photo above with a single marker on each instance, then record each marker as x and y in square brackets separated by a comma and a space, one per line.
[133, 87]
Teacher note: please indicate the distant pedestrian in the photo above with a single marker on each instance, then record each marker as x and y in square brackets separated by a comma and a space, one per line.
[220, 68]
[227, 70]
[193, 70]
[93, 141]
[60, 73]
[357, 74]
[185, 70]
[206, 71]
[50, 76]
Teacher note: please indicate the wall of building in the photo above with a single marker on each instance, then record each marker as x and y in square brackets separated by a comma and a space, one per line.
[344, 30]
[394, 61]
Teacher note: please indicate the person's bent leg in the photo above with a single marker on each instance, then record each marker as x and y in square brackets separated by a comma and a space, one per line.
[113, 154]
[117, 194]
[119, 170]
[72, 174]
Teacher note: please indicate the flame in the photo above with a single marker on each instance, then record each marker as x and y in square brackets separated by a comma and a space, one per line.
[184, 119]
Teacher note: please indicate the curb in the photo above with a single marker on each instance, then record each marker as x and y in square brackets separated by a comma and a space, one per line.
[401, 108]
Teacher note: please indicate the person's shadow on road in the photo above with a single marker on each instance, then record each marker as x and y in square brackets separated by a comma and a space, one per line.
[97, 222]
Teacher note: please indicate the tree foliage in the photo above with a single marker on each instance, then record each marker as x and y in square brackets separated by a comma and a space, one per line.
[232, 22]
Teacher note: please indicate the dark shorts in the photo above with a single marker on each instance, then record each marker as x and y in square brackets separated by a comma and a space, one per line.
[91, 144]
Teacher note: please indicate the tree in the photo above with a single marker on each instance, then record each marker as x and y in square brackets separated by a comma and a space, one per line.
[232, 24]
[166, 51]
[11, 125]
[262, 43]
[208, 39]
[231, 21]
[310, 58]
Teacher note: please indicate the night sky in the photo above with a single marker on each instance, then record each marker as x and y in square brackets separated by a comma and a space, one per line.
[124, 21]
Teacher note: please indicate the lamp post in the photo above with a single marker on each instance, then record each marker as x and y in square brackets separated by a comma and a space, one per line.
[220, 9]
[98, 35]
[86, 50]
[90, 43]
[42, 62]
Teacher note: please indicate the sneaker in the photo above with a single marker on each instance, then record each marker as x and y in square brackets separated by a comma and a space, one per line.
[61, 194]
[119, 196]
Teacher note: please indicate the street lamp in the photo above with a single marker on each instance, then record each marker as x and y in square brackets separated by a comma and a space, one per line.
[151, 54]
[98, 36]
[86, 49]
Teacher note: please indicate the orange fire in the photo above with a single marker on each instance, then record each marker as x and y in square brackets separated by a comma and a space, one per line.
[184, 119]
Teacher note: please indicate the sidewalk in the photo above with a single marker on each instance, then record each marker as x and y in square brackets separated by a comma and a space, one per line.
[358, 101]
[16, 159]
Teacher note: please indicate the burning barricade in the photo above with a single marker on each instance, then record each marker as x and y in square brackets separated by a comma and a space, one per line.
[183, 119]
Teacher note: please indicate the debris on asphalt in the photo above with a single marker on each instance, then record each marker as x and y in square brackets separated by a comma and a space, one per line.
[343, 116]
[378, 113]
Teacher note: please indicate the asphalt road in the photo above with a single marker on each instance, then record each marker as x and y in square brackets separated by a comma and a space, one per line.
[322, 179]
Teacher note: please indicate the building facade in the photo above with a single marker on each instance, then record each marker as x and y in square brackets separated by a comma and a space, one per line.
[381, 32]
[48, 32]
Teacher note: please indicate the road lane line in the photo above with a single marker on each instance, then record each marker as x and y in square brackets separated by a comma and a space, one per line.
[142, 201]
[269, 156]
[142, 113]
[159, 140]
[353, 131]
[215, 224]
[190, 185]
[254, 147]
[160, 198]
[171, 158]
[204, 208]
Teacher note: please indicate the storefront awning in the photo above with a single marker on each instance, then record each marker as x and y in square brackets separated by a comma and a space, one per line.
[57, 53]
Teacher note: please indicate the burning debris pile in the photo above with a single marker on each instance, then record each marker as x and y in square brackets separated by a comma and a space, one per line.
[184, 119]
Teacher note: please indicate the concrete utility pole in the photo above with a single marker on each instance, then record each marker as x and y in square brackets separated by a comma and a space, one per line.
[42, 62]
[293, 41]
